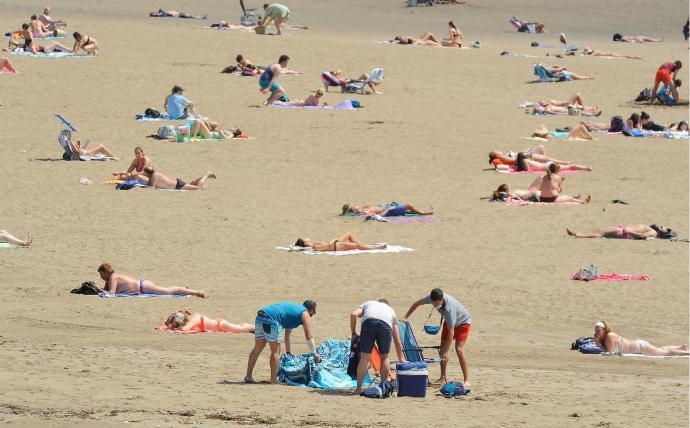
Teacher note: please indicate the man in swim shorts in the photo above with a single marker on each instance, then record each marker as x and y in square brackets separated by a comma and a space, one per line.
[456, 326]
[379, 325]
[663, 74]
[270, 322]
[268, 81]
[161, 181]
[276, 12]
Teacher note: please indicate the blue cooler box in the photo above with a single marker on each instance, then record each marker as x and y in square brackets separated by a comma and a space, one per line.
[412, 379]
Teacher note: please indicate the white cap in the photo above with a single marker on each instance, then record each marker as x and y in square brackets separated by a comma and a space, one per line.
[600, 324]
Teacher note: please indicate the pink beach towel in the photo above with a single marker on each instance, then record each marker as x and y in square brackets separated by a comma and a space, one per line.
[519, 203]
[617, 277]
[512, 170]
[164, 328]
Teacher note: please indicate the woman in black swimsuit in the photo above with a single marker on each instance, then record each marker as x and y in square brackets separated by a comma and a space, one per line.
[82, 41]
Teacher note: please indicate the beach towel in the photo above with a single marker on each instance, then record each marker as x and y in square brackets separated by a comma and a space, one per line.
[520, 202]
[331, 372]
[345, 105]
[512, 170]
[411, 218]
[129, 184]
[48, 55]
[309, 251]
[163, 117]
[546, 75]
[107, 295]
[4, 244]
[615, 277]
[546, 140]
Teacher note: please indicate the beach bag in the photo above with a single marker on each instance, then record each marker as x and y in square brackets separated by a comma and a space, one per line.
[353, 361]
[617, 124]
[260, 29]
[166, 131]
[454, 389]
[87, 288]
[645, 95]
[248, 71]
[229, 69]
[589, 273]
[382, 390]
[574, 110]
[152, 113]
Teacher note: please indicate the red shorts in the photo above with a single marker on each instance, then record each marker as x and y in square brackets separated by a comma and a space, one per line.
[662, 75]
[460, 332]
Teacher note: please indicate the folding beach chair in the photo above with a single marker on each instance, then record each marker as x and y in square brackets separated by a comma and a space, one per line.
[328, 80]
[413, 352]
[546, 75]
[359, 86]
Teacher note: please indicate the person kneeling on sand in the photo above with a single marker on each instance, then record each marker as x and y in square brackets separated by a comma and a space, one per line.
[270, 322]
[380, 326]
[344, 242]
[124, 284]
[637, 231]
[613, 343]
[184, 320]
[160, 181]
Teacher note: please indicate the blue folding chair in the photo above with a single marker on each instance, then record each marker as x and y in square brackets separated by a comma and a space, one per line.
[411, 349]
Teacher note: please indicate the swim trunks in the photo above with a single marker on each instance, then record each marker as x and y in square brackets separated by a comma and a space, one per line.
[398, 210]
[460, 332]
[548, 199]
[179, 184]
[662, 75]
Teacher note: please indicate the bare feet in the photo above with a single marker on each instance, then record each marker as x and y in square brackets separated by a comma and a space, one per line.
[467, 384]
[211, 175]
[28, 241]
[249, 380]
[439, 381]
[588, 198]
[201, 294]
[570, 232]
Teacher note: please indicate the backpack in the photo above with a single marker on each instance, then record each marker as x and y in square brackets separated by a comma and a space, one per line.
[87, 288]
[617, 124]
[454, 389]
[645, 95]
[586, 345]
[589, 273]
[353, 361]
[229, 69]
[382, 390]
[166, 131]
[152, 112]
[248, 71]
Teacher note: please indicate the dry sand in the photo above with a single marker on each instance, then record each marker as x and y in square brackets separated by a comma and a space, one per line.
[73, 360]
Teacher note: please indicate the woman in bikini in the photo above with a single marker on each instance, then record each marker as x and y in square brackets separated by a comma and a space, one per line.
[210, 130]
[391, 209]
[605, 54]
[580, 131]
[31, 46]
[637, 231]
[344, 242]
[614, 343]
[136, 168]
[186, 321]
[454, 41]
[125, 284]
[536, 153]
[634, 39]
[523, 163]
[88, 44]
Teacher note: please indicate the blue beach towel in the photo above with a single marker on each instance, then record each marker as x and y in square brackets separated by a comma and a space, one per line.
[345, 105]
[331, 372]
[48, 55]
[107, 295]
[546, 75]
[128, 184]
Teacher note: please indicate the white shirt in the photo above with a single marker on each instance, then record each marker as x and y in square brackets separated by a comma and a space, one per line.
[380, 311]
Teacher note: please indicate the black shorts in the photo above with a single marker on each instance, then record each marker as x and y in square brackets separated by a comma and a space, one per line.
[374, 330]
[179, 184]
[548, 199]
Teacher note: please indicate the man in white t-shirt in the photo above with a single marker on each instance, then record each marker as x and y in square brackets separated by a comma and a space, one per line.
[380, 325]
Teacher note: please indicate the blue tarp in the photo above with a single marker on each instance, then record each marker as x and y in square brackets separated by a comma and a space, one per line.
[331, 372]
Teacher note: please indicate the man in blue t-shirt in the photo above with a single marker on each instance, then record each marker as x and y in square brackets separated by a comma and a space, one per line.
[177, 106]
[270, 322]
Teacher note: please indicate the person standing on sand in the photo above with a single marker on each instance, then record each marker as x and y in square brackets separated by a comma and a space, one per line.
[268, 80]
[276, 12]
[124, 284]
[380, 325]
[456, 326]
[270, 322]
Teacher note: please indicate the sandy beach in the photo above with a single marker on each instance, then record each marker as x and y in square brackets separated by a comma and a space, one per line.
[74, 360]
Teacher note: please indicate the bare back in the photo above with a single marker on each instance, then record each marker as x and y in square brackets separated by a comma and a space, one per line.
[121, 283]
[551, 185]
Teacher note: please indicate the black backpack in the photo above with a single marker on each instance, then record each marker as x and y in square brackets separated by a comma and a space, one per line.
[152, 113]
[87, 288]
[645, 95]
[229, 69]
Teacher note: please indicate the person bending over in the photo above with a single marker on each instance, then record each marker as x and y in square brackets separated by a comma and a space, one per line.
[157, 180]
[124, 284]
[85, 43]
[667, 73]
[345, 242]
[613, 343]
[185, 321]
[637, 231]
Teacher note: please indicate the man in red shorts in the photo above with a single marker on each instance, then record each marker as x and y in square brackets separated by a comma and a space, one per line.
[456, 326]
[663, 74]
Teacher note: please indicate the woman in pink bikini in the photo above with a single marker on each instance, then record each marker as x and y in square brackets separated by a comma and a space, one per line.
[636, 231]
[186, 321]
[616, 344]
[140, 162]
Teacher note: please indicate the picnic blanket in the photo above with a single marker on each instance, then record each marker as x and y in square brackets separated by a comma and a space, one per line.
[345, 105]
[616, 277]
[546, 140]
[309, 251]
[331, 372]
[107, 295]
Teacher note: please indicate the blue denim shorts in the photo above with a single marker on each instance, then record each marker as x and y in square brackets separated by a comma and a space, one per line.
[268, 330]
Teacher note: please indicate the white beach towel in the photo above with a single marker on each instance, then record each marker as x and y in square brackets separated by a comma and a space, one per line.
[309, 251]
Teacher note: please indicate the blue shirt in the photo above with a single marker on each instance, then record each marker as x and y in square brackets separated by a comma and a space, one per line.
[176, 106]
[287, 314]
[665, 96]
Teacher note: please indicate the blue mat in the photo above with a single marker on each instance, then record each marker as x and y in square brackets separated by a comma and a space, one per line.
[331, 372]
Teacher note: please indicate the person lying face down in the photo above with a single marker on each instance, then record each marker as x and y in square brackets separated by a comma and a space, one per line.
[637, 231]
[345, 242]
[186, 321]
[120, 283]
[613, 343]
[392, 209]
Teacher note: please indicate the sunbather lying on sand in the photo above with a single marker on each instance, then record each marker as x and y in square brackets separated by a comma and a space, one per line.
[523, 163]
[407, 40]
[344, 242]
[569, 75]
[536, 153]
[91, 150]
[578, 132]
[532, 193]
[124, 284]
[6, 236]
[31, 46]
[363, 78]
[634, 39]
[609, 54]
[136, 168]
[312, 100]
[388, 210]
[613, 343]
[169, 13]
[161, 181]
[208, 129]
[184, 320]
[637, 231]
